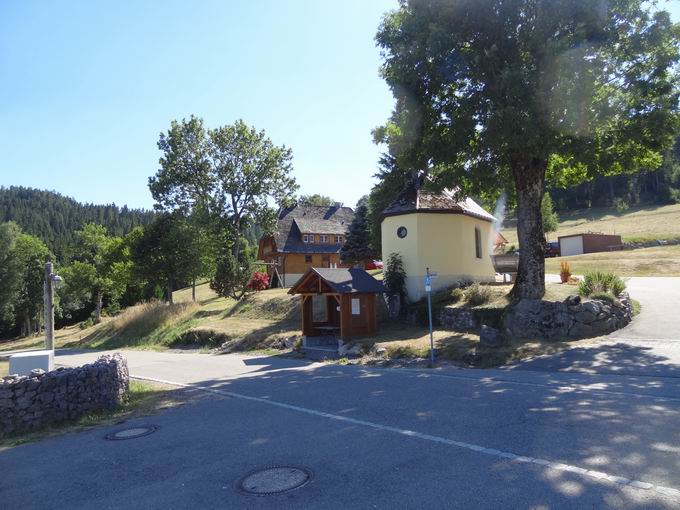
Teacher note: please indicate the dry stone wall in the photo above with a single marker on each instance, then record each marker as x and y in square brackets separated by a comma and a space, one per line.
[31, 402]
[571, 319]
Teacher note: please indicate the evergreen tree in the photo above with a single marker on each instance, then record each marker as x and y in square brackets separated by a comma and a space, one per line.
[550, 219]
[357, 247]
[395, 276]
[54, 218]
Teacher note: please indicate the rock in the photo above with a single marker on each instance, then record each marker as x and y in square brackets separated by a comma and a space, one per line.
[580, 330]
[573, 300]
[355, 350]
[490, 337]
[37, 372]
[457, 318]
[593, 307]
[289, 342]
[585, 316]
[380, 351]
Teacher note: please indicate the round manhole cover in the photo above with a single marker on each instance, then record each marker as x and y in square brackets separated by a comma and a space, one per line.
[133, 432]
[275, 480]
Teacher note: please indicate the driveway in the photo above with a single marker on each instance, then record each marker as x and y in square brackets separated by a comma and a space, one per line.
[373, 438]
[649, 346]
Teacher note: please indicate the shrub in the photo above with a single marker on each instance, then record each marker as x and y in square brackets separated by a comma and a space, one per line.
[231, 276]
[601, 282]
[457, 295]
[477, 294]
[395, 276]
[603, 296]
[259, 281]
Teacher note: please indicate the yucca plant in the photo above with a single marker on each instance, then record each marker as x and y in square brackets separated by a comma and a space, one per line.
[565, 271]
[601, 282]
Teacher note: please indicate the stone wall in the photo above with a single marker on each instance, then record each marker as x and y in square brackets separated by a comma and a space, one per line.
[30, 402]
[571, 319]
[458, 318]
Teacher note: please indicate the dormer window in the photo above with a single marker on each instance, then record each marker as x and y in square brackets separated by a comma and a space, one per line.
[338, 240]
[307, 238]
[323, 238]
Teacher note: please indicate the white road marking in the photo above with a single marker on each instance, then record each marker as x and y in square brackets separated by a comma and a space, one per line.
[596, 475]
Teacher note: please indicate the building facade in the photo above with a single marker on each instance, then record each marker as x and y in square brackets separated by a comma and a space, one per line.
[304, 237]
[453, 238]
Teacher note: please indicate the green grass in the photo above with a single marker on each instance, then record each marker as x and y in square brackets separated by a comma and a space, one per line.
[638, 224]
[145, 398]
[657, 261]
[256, 322]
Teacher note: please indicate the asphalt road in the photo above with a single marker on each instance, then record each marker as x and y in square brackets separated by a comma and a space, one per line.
[373, 438]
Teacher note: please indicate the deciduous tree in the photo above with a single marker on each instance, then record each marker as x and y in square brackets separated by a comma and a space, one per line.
[493, 93]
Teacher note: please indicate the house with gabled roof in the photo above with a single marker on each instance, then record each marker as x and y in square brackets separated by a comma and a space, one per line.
[305, 236]
[449, 235]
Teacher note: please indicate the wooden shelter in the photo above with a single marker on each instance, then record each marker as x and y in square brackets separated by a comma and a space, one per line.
[349, 302]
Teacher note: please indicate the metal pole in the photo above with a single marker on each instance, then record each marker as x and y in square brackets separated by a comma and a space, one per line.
[49, 307]
[429, 311]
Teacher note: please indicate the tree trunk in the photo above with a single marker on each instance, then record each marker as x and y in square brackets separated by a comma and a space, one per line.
[193, 290]
[529, 177]
[169, 292]
[99, 298]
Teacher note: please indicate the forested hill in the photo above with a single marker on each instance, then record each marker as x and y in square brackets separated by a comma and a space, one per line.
[54, 218]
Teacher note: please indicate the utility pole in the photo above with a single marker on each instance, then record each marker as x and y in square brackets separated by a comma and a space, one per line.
[51, 280]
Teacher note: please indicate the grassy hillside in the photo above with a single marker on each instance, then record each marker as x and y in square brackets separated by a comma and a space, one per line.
[635, 225]
[657, 261]
[258, 321]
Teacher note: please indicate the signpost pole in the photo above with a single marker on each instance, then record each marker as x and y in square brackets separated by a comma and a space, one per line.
[428, 289]
[49, 307]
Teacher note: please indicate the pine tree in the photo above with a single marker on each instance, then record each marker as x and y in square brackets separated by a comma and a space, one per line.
[358, 247]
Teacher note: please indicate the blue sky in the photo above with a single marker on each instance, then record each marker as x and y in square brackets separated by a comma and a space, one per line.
[87, 87]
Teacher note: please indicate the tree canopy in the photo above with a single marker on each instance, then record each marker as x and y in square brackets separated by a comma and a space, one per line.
[316, 199]
[495, 95]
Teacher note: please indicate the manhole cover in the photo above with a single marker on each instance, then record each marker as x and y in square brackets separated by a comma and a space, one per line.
[133, 432]
[275, 480]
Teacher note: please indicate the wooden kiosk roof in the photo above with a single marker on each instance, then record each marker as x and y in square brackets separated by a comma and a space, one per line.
[337, 281]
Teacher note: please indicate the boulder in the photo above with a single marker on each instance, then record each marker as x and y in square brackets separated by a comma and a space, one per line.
[491, 337]
[580, 330]
[573, 300]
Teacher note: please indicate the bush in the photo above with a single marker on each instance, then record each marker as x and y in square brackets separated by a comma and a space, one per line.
[259, 281]
[477, 294]
[601, 282]
[603, 296]
[395, 276]
[457, 295]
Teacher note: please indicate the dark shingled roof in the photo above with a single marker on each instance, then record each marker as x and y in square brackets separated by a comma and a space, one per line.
[347, 281]
[413, 198]
[327, 219]
[320, 226]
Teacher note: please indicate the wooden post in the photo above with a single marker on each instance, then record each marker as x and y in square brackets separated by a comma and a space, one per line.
[49, 307]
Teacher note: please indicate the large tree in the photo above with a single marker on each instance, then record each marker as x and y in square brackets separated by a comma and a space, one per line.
[507, 93]
[100, 269]
[230, 175]
[31, 256]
